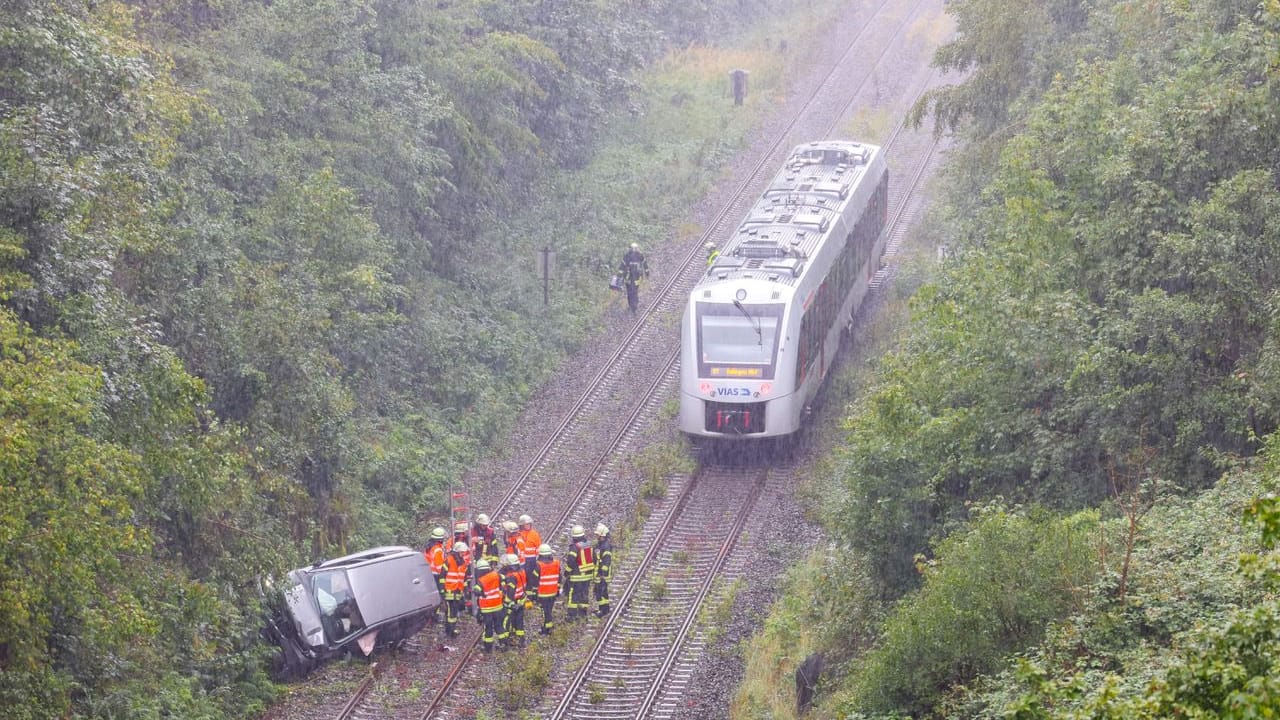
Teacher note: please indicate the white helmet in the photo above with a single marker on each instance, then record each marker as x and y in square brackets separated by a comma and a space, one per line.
[482, 564]
[544, 549]
[710, 246]
[635, 246]
[460, 527]
[578, 531]
[602, 529]
[525, 520]
[509, 526]
[511, 559]
[482, 519]
[437, 533]
[459, 546]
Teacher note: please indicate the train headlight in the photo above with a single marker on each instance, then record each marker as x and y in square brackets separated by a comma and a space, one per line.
[704, 388]
[766, 388]
[741, 294]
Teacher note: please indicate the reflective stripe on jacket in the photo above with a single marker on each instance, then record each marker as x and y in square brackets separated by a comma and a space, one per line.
[455, 579]
[435, 558]
[604, 560]
[549, 578]
[585, 557]
[513, 581]
[532, 541]
[489, 588]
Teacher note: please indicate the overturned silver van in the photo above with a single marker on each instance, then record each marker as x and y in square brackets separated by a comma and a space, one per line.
[349, 605]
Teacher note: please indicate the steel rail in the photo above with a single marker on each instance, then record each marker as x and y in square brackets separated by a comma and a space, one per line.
[593, 387]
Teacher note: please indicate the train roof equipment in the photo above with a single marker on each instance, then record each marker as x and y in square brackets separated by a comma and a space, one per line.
[794, 215]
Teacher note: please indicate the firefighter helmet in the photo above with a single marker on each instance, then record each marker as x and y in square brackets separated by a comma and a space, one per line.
[578, 531]
[635, 246]
[510, 559]
[459, 547]
[602, 529]
[482, 519]
[525, 520]
[710, 246]
[460, 527]
[509, 526]
[544, 549]
[437, 533]
[482, 564]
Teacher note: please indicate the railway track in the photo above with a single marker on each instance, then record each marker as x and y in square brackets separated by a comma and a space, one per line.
[666, 589]
[558, 485]
[646, 647]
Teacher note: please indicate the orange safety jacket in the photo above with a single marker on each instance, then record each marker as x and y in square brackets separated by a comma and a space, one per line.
[521, 581]
[515, 580]
[435, 558]
[455, 579]
[489, 588]
[516, 546]
[532, 541]
[548, 578]
[461, 539]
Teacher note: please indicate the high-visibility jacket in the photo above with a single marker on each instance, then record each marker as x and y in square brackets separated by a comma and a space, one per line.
[489, 590]
[455, 578]
[516, 546]
[548, 578]
[461, 538]
[485, 544]
[581, 562]
[513, 585]
[532, 541]
[435, 557]
[604, 559]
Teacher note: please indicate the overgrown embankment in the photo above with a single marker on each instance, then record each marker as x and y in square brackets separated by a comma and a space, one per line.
[267, 283]
[1054, 461]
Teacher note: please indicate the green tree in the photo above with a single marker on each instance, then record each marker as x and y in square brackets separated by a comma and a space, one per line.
[69, 536]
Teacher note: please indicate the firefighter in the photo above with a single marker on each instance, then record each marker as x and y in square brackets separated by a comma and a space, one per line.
[632, 270]
[604, 568]
[460, 535]
[456, 568]
[546, 579]
[434, 553]
[712, 253]
[580, 568]
[488, 590]
[484, 540]
[532, 541]
[512, 540]
[513, 584]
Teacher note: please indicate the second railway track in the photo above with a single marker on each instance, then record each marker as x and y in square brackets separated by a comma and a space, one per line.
[559, 484]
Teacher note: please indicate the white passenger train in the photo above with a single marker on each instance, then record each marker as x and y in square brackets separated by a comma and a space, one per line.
[763, 325]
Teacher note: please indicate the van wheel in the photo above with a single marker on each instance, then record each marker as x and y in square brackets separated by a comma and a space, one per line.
[290, 662]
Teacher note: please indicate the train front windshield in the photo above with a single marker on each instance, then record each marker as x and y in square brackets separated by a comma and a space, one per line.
[738, 341]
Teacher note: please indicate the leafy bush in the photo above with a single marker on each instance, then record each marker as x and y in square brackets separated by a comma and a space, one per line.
[990, 592]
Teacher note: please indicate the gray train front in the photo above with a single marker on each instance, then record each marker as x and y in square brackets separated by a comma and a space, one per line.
[763, 325]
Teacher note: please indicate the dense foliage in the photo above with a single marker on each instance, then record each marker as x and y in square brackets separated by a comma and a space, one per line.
[1108, 315]
[1103, 335]
[266, 289]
